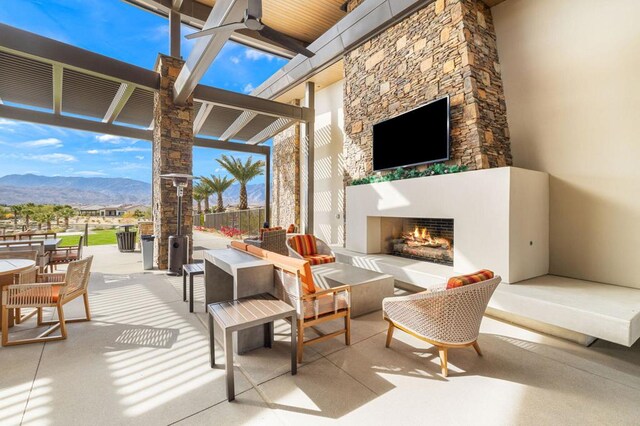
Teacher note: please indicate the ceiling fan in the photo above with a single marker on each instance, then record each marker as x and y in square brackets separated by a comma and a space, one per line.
[253, 21]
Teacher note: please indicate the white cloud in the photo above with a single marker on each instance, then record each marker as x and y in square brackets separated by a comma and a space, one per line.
[140, 157]
[256, 55]
[248, 88]
[125, 165]
[235, 60]
[89, 173]
[115, 140]
[52, 158]
[111, 151]
[40, 143]
[8, 123]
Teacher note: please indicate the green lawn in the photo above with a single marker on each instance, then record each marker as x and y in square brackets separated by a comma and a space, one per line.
[96, 238]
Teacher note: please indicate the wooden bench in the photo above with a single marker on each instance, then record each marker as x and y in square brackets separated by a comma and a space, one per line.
[245, 313]
[190, 270]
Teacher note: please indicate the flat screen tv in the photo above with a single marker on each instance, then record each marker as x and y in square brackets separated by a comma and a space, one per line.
[419, 136]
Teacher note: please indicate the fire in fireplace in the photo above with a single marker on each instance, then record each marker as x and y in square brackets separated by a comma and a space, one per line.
[425, 239]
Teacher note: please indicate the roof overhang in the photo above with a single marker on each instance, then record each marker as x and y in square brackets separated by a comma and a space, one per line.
[75, 88]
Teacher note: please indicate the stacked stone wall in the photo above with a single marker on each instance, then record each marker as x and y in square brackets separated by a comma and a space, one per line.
[172, 153]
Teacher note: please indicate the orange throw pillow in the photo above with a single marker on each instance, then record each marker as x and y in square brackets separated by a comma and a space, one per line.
[291, 229]
[304, 245]
[476, 277]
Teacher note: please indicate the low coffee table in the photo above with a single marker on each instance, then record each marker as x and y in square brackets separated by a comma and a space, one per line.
[368, 288]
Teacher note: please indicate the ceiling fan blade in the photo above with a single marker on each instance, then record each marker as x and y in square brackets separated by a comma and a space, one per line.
[209, 31]
[285, 41]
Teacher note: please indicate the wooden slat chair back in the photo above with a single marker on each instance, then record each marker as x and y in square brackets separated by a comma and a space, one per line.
[64, 255]
[48, 290]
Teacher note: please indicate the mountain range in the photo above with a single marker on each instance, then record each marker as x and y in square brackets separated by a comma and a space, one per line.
[17, 189]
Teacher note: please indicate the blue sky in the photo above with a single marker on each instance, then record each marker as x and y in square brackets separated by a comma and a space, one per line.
[116, 29]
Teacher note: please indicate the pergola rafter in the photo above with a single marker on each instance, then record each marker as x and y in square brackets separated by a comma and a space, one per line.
[125, 109]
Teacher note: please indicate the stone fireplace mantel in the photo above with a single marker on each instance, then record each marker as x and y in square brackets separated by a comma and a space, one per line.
[501, 217]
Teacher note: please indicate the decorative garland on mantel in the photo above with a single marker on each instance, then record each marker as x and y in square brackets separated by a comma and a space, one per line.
[400, 173]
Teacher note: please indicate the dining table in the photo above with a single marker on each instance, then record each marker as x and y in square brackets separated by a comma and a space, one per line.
[8, 267]
[51, 244]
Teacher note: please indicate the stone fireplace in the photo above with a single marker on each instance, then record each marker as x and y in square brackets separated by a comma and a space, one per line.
[426, 239]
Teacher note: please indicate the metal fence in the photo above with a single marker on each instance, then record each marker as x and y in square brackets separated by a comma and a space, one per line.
[248, 221]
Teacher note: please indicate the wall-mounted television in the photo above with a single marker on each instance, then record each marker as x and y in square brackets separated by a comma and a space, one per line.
[419, 136]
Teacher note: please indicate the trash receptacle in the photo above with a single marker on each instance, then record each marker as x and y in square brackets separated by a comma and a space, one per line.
[126, 239]
[146, 241]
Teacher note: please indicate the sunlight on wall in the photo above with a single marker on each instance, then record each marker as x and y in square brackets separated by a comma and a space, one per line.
[389, 198]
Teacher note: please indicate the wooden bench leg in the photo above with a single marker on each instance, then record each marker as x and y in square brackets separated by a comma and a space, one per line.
[228, 364]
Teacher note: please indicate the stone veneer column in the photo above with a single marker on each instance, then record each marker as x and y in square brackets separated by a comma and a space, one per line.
[172, 153]
[285, 206]
[446, 48]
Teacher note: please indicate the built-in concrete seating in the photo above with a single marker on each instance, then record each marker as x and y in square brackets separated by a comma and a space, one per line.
[575, 309]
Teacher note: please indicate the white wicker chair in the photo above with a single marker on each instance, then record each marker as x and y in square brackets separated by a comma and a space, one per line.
[443, 318]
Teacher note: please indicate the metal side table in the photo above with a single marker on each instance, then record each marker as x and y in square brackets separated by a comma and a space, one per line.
[241, 314]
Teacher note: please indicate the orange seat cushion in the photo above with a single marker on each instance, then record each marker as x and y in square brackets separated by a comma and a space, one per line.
[23, 297]
[476, 277]
[319, 259]
[304, 245]
[239, 245]
[257, 251]
[326, 305]
[263, 230]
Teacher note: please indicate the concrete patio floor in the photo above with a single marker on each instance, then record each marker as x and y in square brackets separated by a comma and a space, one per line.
[144, 360]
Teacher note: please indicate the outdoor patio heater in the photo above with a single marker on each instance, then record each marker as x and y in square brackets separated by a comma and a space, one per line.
[178, 244]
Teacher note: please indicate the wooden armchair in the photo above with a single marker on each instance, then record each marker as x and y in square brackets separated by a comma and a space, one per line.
[64, 255]
[48, 290]
[294, 285]
[311, 249]
[444, 318]
[312, 307]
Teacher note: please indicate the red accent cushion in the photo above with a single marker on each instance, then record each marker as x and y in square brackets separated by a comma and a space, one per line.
[319, 259]
[476, 277]
[291, 229]
[304, 245]
[263, 230]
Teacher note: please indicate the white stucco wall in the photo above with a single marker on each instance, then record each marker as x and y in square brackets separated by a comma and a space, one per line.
[570, 74]
[328, 176]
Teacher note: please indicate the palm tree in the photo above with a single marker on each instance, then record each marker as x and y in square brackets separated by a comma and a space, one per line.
[200, 193]
[16, 210]
[28, 210]
[217, 185]
[66, 212]
[243, 172]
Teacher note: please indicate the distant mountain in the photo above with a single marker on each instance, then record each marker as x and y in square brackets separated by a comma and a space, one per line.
[255, 194]
[17, 189]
